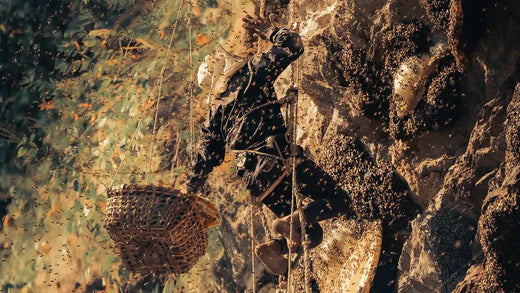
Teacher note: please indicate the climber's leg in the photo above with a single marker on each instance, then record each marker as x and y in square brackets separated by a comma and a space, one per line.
[283, 226]
[328, 201]
[271, 255]
[313, 231]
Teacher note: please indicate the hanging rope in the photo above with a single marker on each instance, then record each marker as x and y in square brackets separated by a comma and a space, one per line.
[190, 87]
[293, 125]
[158, 86]
[293, 120]
[252, 235]
[295, 197]
[161, 78]
[305, 243]
[192, 132]
[253, 205]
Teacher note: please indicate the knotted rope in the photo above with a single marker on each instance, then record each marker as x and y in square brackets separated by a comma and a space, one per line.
[295, 197]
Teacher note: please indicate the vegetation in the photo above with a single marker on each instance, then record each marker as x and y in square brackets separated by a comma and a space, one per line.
[91, 95]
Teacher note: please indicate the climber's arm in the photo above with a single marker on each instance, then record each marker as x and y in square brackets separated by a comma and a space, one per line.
[209, 153]
[287, 47]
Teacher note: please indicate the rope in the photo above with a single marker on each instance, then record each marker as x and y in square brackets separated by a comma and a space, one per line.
[295, 80]
[306, 257]
[253, 205]
[175, 156]
[192, 133]
[294, 113]
[305, 243]
[132, 140]
[161, 78]
[252, 235]
[293, 121]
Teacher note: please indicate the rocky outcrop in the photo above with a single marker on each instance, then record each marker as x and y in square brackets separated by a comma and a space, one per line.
[451, 145]
[464, 189]
[498, 225]
[436, 255]
[412, 110]
[498, 270]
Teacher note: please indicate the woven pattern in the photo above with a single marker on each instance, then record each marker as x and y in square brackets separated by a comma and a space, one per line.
[157, 229]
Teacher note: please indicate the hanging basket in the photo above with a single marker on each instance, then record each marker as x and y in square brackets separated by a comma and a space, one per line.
[158, 229]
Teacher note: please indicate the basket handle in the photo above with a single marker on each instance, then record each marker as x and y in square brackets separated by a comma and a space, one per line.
[210, 214]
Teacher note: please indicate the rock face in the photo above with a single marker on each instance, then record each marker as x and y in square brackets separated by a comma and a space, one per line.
[497, 226]
[442, 176]
[501, 214]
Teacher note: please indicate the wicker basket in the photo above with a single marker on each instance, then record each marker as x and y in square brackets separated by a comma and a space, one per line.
[158, 229]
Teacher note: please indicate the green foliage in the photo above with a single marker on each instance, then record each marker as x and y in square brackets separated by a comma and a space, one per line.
[79, 83]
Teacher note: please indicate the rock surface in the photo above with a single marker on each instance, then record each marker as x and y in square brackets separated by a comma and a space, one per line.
[443, 178]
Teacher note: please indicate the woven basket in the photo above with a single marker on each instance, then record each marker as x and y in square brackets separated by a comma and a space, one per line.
[158, 229]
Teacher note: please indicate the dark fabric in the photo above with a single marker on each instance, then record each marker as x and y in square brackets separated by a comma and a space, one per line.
[313, 232]
[230, 120]
[328, 200]
[256, 133]
[283, 244]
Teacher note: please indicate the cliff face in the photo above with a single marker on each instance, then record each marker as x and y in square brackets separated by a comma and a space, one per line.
[412, 107]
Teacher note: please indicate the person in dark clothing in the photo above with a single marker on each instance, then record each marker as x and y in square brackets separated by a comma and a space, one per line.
[247, 118]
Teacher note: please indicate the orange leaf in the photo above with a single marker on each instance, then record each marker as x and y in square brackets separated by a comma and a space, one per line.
[112, 62]
[162, 33]
[196, 10]
[8, 221]
[47, 105]
[56, 208]
[45, 248]
[85, 105]
[102, 206]
[93, 119]
[201, 39]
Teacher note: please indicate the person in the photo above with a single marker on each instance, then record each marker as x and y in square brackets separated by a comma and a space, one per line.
[245, 115]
